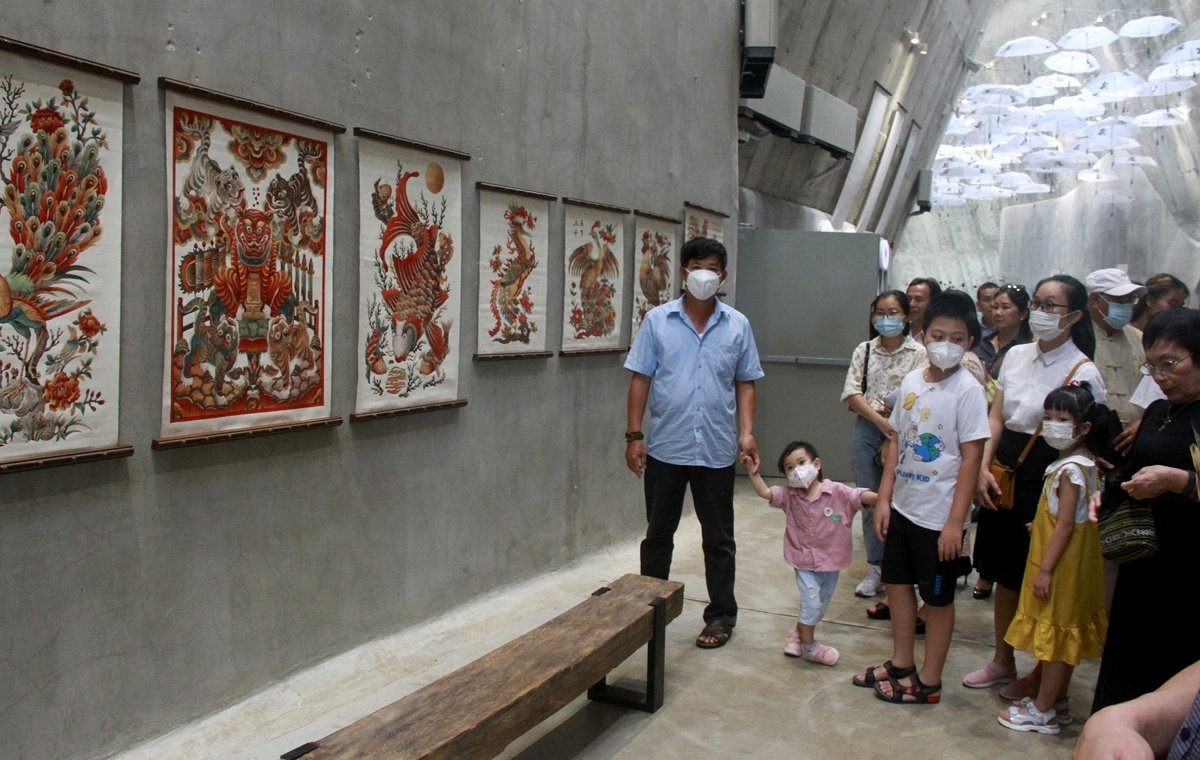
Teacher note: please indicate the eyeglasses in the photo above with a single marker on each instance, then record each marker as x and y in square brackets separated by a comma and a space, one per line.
[1046, 306]
[892, 313]
[1162, 368]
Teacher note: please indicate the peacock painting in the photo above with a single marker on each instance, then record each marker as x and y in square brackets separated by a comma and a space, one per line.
[53, 191]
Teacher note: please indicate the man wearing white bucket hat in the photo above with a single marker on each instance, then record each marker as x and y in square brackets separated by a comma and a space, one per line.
[1119, 353]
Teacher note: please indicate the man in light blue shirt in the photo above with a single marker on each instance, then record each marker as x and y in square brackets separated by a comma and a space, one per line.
[694, 360]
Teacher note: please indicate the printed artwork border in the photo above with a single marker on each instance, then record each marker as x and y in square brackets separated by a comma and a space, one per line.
[37, 52]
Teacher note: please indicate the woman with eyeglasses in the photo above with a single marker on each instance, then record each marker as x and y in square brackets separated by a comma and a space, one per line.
[876, 368]
[1060, 354]
[1148, 639]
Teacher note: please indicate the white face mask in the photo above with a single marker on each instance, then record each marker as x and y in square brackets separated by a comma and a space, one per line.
[1060, 435]
[802, 476]
[1045, 326]
[944, 354]
[703, 283]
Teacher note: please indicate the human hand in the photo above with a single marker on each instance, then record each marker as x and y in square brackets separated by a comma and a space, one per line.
[986, 487]
[1094, 506]
[883, 516]
[748, 452]
[635, 457]
[1107, 736]
[1124, 442]
[1152, 481]
[751, 466]
[1041, 584]
[950, 543]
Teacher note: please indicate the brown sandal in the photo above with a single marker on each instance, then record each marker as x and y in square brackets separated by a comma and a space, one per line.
[719, 630]
[867, 679]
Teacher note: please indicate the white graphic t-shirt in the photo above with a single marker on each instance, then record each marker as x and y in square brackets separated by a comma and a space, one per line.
[932, 420]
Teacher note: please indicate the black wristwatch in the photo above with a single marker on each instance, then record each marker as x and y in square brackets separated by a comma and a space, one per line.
[1190, 490]
[635, 435]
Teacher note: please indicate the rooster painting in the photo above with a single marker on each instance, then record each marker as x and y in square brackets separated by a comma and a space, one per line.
[53, 194]
[411, 274]
[594, 264]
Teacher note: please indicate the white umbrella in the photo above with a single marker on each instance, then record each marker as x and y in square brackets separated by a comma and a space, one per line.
[1066, 124]
[1058, 81]
[1160, 117]
[946, 152]
[1012, 180]
[1096, 175]
[1114, 86]
[1112, 128]
[1084, 105]
[1086, 38]
[1184, 51]
[1031, 188]
[986, 193]
[1039, 90]
[1165, 87]
[1108, 142]
[1072, 62]
[1053, 167]
[1178, 70]
[1132, 160]
[1078, 156]
[1022, 46]
[1149, 26]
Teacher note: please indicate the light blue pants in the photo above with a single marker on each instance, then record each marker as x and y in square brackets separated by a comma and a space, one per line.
[816, 589]
[864, 442]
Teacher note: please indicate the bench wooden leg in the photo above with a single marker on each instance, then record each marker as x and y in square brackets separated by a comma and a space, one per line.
[656, 668]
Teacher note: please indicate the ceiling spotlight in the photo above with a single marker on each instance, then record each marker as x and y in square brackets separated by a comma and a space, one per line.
[923, 49]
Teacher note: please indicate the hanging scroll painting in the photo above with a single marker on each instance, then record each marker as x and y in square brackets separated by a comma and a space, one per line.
[249, 297]
[593, 295]
[410, 226]
[513, 243]
[60, 261]
[704, 223]
[656, 265]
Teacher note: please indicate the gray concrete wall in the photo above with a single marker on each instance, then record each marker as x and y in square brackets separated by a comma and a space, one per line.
[137, 594]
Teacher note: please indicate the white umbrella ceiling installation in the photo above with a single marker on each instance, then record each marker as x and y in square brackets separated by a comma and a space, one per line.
[1057, 113]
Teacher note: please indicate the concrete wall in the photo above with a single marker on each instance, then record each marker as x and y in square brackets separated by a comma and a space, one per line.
[140, 593]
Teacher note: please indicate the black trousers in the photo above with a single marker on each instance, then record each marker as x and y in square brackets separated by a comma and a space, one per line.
[712, 495]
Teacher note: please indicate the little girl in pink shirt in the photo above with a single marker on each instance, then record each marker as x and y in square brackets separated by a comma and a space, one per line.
[817, 541]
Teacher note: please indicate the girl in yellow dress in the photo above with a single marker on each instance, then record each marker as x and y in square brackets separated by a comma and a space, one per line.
[1060, 615]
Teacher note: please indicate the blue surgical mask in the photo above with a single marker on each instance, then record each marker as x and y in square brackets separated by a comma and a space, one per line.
[889, 327]
[1119, 314]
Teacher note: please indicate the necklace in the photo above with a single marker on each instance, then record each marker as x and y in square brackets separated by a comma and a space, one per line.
[1170, 415]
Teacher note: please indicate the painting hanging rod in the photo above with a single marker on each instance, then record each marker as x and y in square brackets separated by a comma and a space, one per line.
[658, 217]
[365, 416]
[199, 439]
[698, 207]
[593, 351]
[79, 457]
[503, 357]
[600, 206]
[167, 83]
[515, 191]
[384, 137]
[83, 64]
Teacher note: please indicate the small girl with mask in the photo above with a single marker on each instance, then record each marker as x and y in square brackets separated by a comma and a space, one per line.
[1060, 615]
[817, 540]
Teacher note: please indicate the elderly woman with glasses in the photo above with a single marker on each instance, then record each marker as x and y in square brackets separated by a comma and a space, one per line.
[1149, 641]
[1061, 354]
[1010, 321]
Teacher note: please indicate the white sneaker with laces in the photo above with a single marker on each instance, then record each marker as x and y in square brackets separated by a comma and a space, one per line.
[871, 585]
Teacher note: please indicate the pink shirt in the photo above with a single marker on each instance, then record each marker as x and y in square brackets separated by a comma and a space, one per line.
[818, 534]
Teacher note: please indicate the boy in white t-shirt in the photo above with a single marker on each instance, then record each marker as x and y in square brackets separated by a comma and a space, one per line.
[929, 475]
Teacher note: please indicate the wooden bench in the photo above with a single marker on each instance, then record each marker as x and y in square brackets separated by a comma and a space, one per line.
[477, 710]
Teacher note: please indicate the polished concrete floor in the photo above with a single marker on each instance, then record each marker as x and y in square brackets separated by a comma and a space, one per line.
[744, 700]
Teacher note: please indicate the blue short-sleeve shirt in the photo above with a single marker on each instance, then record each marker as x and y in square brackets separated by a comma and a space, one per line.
[693, 407]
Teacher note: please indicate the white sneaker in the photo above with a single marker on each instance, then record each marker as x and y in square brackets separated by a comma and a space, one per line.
[870, 585]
